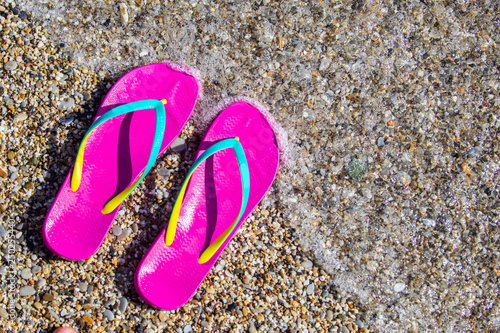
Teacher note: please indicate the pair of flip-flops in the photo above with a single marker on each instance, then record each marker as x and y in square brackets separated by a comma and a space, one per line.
[140, 117]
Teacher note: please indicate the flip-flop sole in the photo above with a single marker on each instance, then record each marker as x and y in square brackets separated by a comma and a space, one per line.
[115, 156]
[168, 277]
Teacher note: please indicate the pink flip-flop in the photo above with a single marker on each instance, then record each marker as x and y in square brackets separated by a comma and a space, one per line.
[140, 117]
[234, 167]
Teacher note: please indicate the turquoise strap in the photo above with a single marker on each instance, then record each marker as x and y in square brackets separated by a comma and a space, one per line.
[245, 183]
[157, 141]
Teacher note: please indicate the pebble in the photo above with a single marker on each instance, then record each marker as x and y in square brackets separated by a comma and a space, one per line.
[90, 289]
[2, 231]
[187, 329]
[36, 269]
[41, 283]
[310, 289]
[357, 169]
[68, 119]
[403, 178]
[252, 328]
[86, 96]
[27, 291]
[3, 313]
[109, 302]
[34, 160]
[474, 152]
[66, 103]
[307, 264]
[162, 316]
[124, 234]
[26, 273]
[82, 286]
[344, 329]
[380, 141]
[124, 13]
[429, 222]
[179, 145]
[325, 63]
[329, 314]
[399, 287]
[117, 230]
[20, 117]
[88, 320]
[48, 297]
[109, 315]
[54, 315]
[164, 172]
[204, 324]
[123, 304]
[10, 65]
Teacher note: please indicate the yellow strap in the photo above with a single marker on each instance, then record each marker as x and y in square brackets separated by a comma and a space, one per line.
[76, 177]
[116, 201]
[210, 251]
[172, 224]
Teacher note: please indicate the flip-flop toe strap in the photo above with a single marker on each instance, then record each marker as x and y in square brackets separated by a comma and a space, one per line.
[245, 183]
[158, 106]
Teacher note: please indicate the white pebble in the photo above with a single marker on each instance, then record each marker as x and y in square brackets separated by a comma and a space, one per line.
[429, 222]
[20, 117]
[399, 287]
[307, 264]
[66, 104]
[10, 65]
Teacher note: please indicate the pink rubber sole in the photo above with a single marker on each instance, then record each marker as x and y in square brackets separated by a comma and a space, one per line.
[115, 156]
[168, 277]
